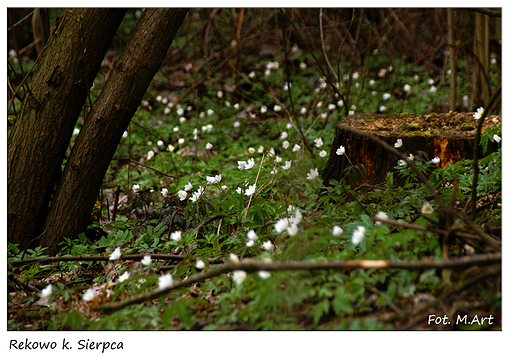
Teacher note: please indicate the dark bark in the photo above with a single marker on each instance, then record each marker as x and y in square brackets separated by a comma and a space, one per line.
[110, 115]
[39, 139]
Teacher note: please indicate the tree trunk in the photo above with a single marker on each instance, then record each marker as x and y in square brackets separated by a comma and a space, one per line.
[39, 139]
[449, 136]
[109, 117]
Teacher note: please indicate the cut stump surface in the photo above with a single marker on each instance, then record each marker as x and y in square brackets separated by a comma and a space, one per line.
[448, 136]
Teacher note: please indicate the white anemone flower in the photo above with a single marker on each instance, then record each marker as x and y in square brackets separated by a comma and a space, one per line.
[115, 255]
[336, 230]
[264, 274]
[313, 174]
[123, 277]
[358, 234]
[267, 245]
[89, 295]
[478, 114]
[250, 190]
[165, 281]
[251, 235]
[281, 225]
[233, 258]
[239, 276]
[199, 264]
[182, 195]
[176, 236]
[426, 208]
[250, 164]
[147, 260]
[47, 291]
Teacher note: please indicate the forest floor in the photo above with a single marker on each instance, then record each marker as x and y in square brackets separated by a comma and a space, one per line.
[219, 180]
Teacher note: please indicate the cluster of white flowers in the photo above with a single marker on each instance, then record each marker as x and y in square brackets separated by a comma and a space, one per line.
[289, 224]
[213, 180]
[272, 65]
[197, 194]
[251, 238]
[246, 165]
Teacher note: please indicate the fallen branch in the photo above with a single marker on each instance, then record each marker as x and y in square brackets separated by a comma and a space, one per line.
[253, 266]
[127, 257]
[425, 228]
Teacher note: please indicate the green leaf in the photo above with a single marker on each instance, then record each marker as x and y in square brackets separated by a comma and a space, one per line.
[319, 310]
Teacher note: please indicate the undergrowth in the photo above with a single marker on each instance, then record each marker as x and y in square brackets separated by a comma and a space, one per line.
[227, 175]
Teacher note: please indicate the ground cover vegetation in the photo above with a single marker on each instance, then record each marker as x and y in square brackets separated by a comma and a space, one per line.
[213, 214]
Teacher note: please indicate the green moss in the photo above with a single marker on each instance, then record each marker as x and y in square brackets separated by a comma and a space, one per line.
[466, 127]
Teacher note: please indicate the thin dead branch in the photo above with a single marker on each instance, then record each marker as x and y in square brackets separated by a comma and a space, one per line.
[253, 266]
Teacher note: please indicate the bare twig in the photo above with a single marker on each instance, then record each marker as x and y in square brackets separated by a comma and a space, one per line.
[133, 257]
[210, 219]
[146, 166]
[253, 266]
[487, 12]
[456, 289]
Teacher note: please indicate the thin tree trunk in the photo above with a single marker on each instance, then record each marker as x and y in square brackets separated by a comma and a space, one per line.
[453, 62]
[39, 139]
[112, 112]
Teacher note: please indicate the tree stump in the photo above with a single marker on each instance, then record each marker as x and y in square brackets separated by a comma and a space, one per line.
[448, 136]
